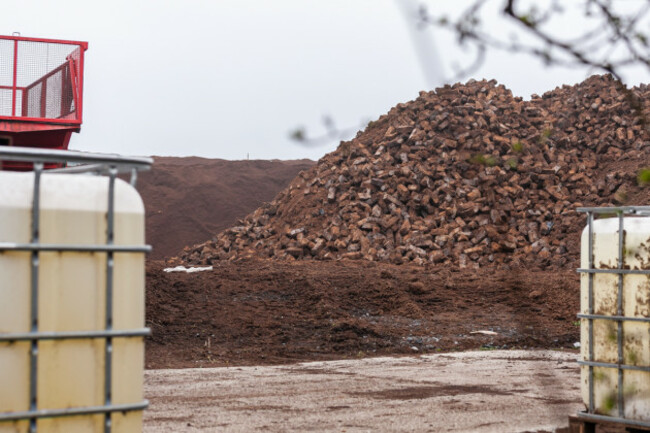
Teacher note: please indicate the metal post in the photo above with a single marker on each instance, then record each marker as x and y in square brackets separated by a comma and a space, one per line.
[80, 85]
[35, 239]
[110, 222]
[15, 80]
[619, 325]
[134, 177]
[590, 222]
[43, 100]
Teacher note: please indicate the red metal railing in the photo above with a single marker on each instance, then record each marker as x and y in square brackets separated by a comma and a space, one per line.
[41, 80]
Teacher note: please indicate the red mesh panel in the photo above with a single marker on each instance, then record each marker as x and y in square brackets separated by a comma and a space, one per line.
[6, 76]
[45, 82]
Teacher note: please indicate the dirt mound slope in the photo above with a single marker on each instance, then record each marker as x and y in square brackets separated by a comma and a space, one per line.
[467, 176]
[258, 311]
[188, 200]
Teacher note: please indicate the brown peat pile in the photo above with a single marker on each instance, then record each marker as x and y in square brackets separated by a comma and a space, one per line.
[189, 199]
[467, 175]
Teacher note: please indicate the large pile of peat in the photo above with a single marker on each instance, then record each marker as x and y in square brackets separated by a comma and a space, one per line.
[467, 175]
[189, 199]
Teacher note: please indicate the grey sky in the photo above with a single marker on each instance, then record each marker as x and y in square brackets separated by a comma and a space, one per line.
[227, 78]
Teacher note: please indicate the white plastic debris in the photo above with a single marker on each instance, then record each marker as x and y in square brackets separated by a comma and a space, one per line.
[484, 332]
[576, 344]
[188, 270]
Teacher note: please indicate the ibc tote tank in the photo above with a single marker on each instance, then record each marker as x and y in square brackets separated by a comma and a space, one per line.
[71, 373]
[620, 356]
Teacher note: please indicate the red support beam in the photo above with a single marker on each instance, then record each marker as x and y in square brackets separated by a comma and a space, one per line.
[15, 80]
[44, 98]
[80, 84]
[73, 83]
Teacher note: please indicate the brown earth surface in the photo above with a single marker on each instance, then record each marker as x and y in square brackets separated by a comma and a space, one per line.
[470, 235]
[452, 244]
[188, 200]
[257, 311]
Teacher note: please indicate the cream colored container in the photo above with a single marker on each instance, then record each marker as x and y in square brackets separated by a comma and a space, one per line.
[636, 303]
[72, 293]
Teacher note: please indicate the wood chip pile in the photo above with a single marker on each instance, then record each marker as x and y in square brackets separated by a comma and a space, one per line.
[466, 176]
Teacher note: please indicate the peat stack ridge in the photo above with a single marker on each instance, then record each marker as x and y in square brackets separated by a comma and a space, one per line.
[466, 175]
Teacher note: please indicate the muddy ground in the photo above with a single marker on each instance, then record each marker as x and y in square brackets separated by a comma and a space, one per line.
[260, 312]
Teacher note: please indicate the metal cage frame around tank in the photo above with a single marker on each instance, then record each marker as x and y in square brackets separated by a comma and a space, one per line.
[619, 318]
[89, 163]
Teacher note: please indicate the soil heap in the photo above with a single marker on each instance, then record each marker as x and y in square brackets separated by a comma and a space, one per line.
[467, 175]
[187, 200]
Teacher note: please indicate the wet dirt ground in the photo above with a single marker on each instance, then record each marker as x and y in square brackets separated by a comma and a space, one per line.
[479, 391]
[304, 346]
[262, 312]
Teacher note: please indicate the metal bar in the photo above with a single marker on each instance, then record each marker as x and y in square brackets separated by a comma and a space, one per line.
[615, 271]
[35, 236]
[619, 312]
[11, 88]
[80, 78]
[73, 83]
[93, 169]
[590, 222]
[110, 234]
[26, 154]
[62, 102]
[72, 122]
[24, 111]
[613, 209]
[84, 45]
[615, 318]
[613, 419]
[43, 111]
[63, 335]
[620, 366]
[8, 246]
[134, 177]
[82, 168]
[15, 80]
[89, 410]
[65, 105]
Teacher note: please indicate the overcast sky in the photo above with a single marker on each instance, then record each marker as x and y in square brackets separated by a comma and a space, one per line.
[230, 78]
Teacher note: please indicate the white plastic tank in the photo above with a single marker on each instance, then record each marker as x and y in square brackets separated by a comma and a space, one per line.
[72, 294]
[636, 304]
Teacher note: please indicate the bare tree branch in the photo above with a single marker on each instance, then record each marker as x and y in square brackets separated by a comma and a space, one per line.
[611, 42]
